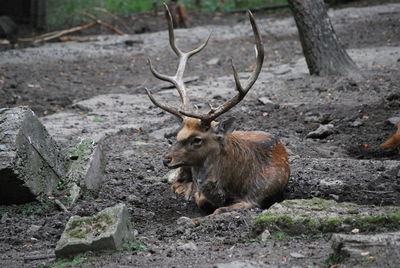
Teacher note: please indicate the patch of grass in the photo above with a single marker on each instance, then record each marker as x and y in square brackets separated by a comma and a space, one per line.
[280, 235]
[134, 246]
[333, 259]
[28, 209]
[213, 6]
[61, 263]
[96, 119]
[61, 12]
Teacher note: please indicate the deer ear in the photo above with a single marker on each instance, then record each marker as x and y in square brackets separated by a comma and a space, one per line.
[225, 127]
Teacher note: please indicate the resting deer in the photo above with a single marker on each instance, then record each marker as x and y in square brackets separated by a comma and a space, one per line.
[394, 141]
[223, 170]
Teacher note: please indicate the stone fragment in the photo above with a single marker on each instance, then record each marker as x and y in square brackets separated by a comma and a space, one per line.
[357, 123]
[394, 120]
[381, 247]
[265, 235]
[317, 215]
[31, 163]
[109, 229]
[88, 163]
[242, 264]
[185, 221]
[171, 175]
[296, 255]
[321, 132]
[188, 246]
[213, 61]
[270, 105]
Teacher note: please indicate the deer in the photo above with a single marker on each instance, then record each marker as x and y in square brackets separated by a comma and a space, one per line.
[222, 169]
[394, 141]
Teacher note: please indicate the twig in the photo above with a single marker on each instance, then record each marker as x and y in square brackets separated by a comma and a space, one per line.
[109, 26]
[105, 24]
[261, 8]
[39, 257]
[61, 205]
[53, 35]
[377, 192]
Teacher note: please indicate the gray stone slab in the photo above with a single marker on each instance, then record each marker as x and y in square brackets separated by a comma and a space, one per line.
[381, 249]
[87, 165]
[31, 163]
[109, 229]
[317, 215]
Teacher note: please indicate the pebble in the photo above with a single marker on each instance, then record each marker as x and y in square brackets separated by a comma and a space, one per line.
[265, 236]
[321, 132]
[188, 246]
[185, 221]
[296, 255]
[394, 120]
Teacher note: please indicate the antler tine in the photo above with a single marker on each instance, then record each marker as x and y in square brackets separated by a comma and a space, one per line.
[242, 91]
[177, 79]
[165, 107]
[171, 34]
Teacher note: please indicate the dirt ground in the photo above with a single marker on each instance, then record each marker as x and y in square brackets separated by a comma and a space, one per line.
[57, 80]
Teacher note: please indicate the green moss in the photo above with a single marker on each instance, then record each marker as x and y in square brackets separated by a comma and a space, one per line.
[134, 246]
[61, 263]
[79, 228]
[333, 259]
[301, 217]
[284, 220]
[28, 209]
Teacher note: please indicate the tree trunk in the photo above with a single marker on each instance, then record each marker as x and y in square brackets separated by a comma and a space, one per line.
[324, 55]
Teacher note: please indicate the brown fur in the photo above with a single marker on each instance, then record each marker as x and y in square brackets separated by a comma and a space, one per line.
[241, 170]
[394, 141]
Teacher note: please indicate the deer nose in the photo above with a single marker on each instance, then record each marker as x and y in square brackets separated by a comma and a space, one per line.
[166, 161]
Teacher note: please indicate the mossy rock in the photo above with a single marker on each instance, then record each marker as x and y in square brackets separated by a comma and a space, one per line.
[315, 216]
[109, 229]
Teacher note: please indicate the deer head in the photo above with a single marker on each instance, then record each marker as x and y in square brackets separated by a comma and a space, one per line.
[201, 136]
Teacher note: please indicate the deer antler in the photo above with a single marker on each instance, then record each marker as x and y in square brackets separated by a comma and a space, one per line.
[177, 79]
[242, 91]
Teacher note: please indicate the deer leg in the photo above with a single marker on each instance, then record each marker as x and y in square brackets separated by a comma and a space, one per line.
[183, 183]
[203, 203]
[241, 205]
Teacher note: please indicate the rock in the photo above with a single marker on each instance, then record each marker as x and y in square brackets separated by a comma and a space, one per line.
[34, 228]
[321, 132]
[31, 163]
[267, 103]
[242, 264]
[357, 123]
[334, 197]
[315, 117]
[185, 221]
[165, 132]
[394, 120]
[382, 248]
[265, 236]
[87, 164]
[296, 255]
[109, 229]
[188, 246]
[213, 61]
[171, 175]
[317, 215]
[74, 194]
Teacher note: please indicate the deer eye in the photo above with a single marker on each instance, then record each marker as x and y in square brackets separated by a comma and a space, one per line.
[197, 141]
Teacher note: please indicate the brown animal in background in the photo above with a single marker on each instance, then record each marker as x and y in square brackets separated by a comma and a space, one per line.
[223, 170]
[178, 14]
[394, 141]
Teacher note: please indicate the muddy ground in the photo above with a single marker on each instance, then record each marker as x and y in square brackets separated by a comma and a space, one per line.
[96, 89]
